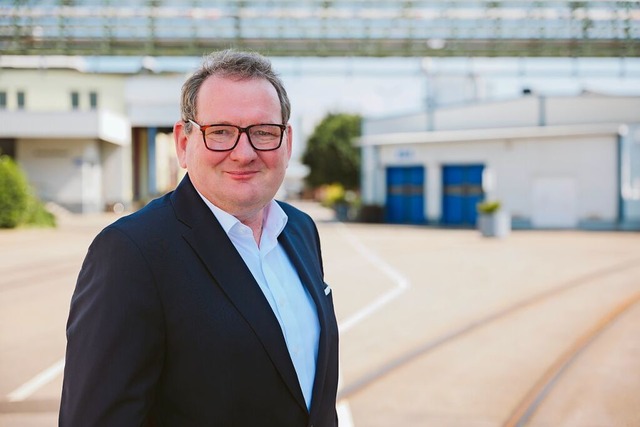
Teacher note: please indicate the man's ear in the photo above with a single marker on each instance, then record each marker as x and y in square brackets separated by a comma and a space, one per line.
[181, 140]
[289, 141]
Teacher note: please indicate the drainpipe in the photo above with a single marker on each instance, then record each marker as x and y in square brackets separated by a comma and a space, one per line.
[542, 110]
[620, 137]
[151, 157]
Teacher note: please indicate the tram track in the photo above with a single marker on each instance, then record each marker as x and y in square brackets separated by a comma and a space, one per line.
[377, 374]
[22, 278]
[450, 393]
[529, 404]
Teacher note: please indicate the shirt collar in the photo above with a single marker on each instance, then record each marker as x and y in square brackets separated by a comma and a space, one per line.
[274, 222]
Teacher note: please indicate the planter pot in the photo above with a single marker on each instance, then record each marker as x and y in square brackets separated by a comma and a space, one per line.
[497, 224]
[342, 211]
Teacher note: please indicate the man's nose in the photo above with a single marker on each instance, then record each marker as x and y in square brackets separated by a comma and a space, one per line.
[243, 149]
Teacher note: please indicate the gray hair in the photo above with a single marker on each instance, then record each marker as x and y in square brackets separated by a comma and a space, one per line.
[235, 64]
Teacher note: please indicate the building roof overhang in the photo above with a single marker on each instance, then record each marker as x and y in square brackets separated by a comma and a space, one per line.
[476, 135]
[102, 125]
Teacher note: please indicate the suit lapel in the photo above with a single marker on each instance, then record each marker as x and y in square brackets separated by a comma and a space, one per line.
[294, 244]
[212, 245]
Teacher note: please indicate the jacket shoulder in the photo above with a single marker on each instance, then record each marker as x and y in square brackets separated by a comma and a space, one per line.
[294, 213]
[153, 217]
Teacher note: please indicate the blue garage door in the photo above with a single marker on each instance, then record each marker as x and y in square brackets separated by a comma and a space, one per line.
[405, 195]
[461, 192]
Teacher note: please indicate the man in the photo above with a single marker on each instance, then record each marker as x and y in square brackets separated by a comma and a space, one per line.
[208, 307]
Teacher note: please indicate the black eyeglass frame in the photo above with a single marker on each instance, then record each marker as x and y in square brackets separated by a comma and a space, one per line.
[241, 130]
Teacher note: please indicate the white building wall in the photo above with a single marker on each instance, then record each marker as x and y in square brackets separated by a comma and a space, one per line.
[117, 173]
[512, 113]
[630, 174]
[153, 101]
[67, 125]
[67, 172]
[374, 177]
[78, 157]
[522, 112]
[50, 90]
[433, 200]
[91, 177]
[577, 171]
[166, 162]
[432, 156]
[407, 123]
[558, 182]
[592, 109]
[540, 111]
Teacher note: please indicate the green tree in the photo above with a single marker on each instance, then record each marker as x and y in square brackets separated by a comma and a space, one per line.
[330, 153]
[14, 193]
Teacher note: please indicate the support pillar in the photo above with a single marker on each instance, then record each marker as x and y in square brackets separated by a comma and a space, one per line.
[151, 160]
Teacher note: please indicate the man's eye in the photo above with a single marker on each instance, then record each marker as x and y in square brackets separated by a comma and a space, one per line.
[220, 132]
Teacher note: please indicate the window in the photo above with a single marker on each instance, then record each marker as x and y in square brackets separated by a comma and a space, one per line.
[75, 101]
[3, 100]
[21, 100]
[93, 100]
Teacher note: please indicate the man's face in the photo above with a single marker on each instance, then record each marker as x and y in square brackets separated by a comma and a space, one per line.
[241, 181]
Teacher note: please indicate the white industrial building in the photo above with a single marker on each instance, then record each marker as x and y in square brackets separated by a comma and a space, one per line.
[89, 141]
[552, 162]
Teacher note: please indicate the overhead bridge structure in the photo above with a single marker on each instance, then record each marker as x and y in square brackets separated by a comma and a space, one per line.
[544, 28]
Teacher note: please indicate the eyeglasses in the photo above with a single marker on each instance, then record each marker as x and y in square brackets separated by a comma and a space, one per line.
[262, 137]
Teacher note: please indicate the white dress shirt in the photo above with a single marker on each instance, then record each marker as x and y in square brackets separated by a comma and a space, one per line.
[289, 299]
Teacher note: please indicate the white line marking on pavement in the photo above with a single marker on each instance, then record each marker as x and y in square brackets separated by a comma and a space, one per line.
[342, 408]
[344, 414]
[401, 282]
[34, 384]
[44, 377]
[401, 285]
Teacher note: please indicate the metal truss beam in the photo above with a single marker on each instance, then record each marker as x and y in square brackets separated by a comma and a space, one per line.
[477, 28]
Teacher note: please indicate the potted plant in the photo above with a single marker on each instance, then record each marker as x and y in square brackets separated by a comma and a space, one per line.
[334, 196]
[492, 220]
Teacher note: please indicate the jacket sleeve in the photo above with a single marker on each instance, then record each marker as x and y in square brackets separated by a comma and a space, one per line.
[115, 337]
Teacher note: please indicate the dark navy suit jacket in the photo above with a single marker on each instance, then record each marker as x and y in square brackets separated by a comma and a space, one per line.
[168, 327]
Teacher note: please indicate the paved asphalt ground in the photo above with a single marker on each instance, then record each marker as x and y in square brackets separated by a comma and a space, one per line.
[439, 328]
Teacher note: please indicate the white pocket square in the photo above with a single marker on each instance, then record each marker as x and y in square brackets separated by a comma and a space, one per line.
[327, 290]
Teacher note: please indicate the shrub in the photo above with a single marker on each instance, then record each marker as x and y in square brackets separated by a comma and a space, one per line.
[17, 203]
[14, 193]
[37, 214]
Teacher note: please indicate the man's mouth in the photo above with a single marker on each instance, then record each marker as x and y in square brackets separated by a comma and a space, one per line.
[242, 175]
